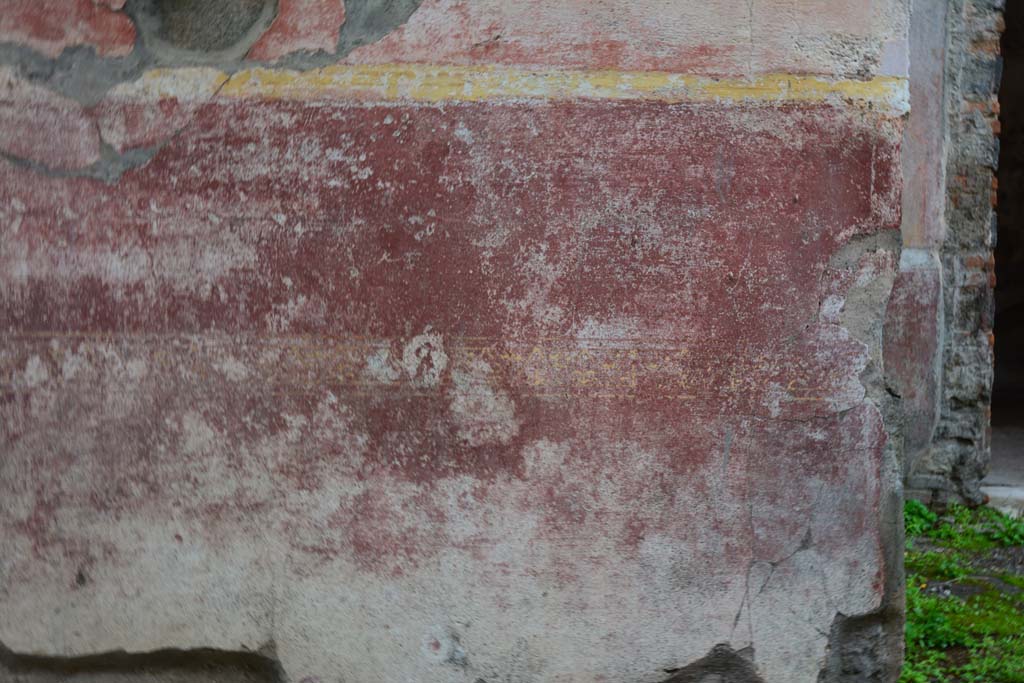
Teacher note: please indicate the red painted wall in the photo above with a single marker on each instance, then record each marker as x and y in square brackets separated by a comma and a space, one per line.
[427, 390]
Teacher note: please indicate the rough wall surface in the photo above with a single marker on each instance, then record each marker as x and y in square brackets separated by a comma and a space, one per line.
[955, 459]
[463, 368]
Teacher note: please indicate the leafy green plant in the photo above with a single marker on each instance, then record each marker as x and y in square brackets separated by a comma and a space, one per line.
[962, 527]
[928, 619]
[927, 667]
[1000, 660]
[936, 565]
[1006, 531]
[917, 518]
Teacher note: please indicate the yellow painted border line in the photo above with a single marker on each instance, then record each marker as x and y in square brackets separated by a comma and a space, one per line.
[439, 83]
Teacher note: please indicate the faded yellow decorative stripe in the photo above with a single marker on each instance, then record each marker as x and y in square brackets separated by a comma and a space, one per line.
[434, 83]
[431, 83]
[183, 83]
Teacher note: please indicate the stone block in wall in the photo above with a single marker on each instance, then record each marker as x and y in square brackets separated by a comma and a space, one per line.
[981, 76]
[969, 212]
[980, 145]
[984, 18]
[969, 372]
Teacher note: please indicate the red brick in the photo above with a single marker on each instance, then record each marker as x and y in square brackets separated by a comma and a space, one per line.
[988, 46]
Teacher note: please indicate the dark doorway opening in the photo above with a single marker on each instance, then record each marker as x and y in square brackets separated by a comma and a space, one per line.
[1008, 388]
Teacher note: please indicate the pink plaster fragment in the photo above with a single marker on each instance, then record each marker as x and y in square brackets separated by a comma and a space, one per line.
[51, 26]
[39, 126]
[301, 25]
[132, 125]
[912, 352]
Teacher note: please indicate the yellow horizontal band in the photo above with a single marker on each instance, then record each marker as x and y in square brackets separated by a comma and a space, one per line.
[439, 83]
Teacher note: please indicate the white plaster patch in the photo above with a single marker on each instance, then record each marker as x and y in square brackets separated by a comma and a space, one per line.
[197, 435]
[35, 372]
[443, 647]
[831, 308]
[544, 457]
[233, 369]
[190, 83]
[71, 364]
[381, 367]
[297, 309]
[895, 59]
[171, 260]
[425, 360]
[918, 259]
[537, 303]
[483, 413]
[463, 133]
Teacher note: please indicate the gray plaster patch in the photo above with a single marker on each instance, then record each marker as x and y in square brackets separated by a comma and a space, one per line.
[78, 73]
[367, 21]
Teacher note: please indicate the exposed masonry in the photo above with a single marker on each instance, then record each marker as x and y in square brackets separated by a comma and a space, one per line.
[369, 21]
[958, 458]
[183, 30]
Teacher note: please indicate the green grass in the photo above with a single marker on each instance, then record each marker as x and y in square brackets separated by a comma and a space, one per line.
[963, 528]
[937, 565]
[977, 637]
